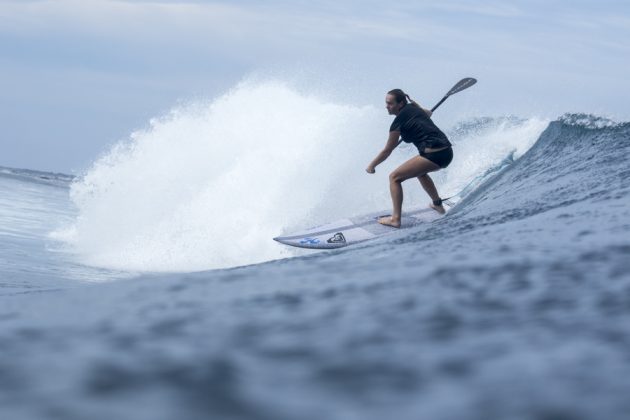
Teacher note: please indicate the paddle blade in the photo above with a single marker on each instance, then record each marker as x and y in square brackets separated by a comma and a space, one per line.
[461, 85]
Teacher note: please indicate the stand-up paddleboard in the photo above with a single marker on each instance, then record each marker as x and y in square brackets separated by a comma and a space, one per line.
[354, 230]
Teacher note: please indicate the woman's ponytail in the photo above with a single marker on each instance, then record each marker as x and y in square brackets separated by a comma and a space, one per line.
[411, 101]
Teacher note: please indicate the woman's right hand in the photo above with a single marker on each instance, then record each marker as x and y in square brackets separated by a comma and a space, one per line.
[370, 170]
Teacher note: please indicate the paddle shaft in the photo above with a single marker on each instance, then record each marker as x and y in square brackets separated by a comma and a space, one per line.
[439, 103]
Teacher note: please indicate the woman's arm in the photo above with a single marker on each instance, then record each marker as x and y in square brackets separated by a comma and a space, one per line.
[391, 144]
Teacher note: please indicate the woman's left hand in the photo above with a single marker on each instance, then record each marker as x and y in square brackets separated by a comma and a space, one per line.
[370, 170]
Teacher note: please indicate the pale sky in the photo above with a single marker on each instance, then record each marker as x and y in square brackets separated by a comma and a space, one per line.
[79, 75]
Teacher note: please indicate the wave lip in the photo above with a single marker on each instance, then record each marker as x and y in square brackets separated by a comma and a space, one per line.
[588, 121]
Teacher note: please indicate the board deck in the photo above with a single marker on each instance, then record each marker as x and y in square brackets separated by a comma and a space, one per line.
[353, 230]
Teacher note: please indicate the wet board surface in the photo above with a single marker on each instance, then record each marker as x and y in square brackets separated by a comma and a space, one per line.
[353, 230]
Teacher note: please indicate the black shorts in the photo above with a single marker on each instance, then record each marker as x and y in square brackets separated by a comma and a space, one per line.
[441, 158]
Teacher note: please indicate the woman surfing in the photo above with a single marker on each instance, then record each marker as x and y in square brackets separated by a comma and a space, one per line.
[413, 124]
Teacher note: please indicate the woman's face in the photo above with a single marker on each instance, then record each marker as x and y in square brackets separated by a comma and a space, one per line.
[393, 107]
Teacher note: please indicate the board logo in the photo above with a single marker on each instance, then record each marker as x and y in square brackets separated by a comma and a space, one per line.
[338, 238]
[310, 241]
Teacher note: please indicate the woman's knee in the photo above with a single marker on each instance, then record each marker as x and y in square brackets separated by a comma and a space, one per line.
[396, 177]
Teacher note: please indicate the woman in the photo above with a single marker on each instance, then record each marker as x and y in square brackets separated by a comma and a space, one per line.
[414, 124]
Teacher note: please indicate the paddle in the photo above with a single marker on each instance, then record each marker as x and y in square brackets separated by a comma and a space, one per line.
[459, 86]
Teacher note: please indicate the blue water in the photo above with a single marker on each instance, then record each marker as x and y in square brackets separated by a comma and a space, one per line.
[514, 306]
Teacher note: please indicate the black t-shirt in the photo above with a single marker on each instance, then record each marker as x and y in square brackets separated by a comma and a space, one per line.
[416, 127]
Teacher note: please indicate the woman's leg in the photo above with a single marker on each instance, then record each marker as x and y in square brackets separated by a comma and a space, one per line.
[429, 187]
[414, 167]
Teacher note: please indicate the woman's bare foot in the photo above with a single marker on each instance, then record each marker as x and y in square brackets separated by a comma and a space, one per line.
[440, 209]
[389, 221]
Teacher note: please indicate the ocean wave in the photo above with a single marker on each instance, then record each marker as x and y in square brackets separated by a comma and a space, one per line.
[29, 175]
[577, 157]
[209, 184]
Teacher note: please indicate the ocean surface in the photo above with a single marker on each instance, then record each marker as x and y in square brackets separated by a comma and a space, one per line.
[148, 287]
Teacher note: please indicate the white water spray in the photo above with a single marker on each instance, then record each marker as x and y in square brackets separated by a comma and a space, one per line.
[208, 185]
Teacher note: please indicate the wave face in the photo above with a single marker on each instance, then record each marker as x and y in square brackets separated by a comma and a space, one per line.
[208, 185]
[577, 158]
